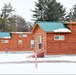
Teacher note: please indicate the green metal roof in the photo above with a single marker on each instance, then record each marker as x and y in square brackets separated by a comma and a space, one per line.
[5, 35]
[51, 26]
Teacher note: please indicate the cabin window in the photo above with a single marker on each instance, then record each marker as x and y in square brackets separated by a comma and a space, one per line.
[39, 42]
[5, 41]
[59, 37]
[32, 43]
[19, 41]
[22, 35]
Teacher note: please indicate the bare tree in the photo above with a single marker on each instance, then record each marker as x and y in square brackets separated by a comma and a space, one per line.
[21, 25]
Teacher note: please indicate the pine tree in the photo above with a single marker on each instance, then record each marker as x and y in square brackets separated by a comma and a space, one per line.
[71, 16]
[6, 15]
[7, 10]
[48, 10]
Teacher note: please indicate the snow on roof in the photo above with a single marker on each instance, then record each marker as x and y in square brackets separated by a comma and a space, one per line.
[5, 35]
[62, 30]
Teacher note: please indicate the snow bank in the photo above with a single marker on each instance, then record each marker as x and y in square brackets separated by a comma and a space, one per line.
[42, 68]
[23, 57]
[13, 57]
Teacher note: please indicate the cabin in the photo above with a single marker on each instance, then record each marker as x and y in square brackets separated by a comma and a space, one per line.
[55, 37]
[16, 41]
[52, 38]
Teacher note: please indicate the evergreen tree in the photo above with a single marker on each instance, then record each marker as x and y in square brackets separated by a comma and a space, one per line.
[7, 10]
[71, 16]
[6, 17]
[48, 10]
[4, 27]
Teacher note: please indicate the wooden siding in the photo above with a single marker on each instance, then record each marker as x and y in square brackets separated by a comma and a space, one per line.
[67, 46]
[39, 32]
[13, 45]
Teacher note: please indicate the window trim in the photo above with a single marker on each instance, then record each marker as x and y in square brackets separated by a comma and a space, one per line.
[32, 44]
[40, 42]
[23, 35]
[5, 40]
[19, 42]
[59, 37]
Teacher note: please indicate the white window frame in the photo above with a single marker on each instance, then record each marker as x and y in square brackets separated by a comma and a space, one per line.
[20, 42]
[22, 35]
[61, 37]
[5, 41]
[32, 43]
[40, 42]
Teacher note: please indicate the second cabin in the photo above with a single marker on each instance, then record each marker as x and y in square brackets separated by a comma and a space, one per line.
[55, 37]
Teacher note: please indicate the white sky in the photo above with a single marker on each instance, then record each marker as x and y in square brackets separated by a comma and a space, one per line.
[23, 7]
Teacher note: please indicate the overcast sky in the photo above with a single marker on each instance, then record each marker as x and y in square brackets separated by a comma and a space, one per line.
[23, 7]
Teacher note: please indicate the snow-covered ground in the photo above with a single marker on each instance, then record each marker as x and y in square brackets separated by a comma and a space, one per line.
[8, 64]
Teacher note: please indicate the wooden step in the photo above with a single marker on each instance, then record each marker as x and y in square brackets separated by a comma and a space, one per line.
[39, 55]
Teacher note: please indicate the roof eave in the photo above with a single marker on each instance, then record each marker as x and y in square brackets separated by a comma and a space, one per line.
[35, 27]
[20, 32]
[58, 32]
[69, 23]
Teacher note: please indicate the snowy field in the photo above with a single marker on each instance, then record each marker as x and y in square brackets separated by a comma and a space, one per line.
[17, 64]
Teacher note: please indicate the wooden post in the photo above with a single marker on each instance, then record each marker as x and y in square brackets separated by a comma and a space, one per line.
[36, 59]
[6, 50]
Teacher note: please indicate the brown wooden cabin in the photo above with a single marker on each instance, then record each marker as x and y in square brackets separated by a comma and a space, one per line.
[55, 37]
[16, 41]
[48, 37]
